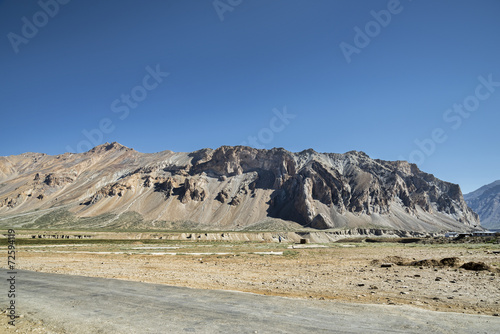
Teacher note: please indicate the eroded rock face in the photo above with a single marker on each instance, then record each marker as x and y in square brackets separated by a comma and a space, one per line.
[239, 186]
[117, 189]
[54, 180]
[193, 190]
[222, 196]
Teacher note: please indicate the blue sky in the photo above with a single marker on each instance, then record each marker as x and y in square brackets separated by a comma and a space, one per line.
[384, 77]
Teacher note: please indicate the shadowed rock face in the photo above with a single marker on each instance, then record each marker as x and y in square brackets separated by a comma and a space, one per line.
[234, 187]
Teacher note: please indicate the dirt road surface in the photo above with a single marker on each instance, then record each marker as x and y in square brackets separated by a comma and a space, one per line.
[77, 304]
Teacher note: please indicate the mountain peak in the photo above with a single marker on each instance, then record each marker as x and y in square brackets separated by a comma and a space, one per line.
[358, 153]
[478, 192]
[486, 202]
[108, 147]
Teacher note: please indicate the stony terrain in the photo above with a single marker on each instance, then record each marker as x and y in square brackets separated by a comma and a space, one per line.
[85, 305]
[486, 202]
[435, 277]
[230, 188]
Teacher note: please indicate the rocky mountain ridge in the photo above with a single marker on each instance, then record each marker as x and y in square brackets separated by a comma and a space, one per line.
[230, 188]
[486, 202]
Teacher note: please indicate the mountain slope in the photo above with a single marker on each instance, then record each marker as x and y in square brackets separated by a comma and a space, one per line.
[112, 186]
[486, 202]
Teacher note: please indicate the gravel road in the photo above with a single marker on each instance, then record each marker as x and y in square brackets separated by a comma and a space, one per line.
[77, 304]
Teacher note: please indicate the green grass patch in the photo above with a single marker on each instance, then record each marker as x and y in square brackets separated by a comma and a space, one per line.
[290, 253]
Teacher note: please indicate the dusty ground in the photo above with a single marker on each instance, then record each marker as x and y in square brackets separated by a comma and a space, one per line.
[350, 272]
[347, 272]
[83, 305]
[27, 325]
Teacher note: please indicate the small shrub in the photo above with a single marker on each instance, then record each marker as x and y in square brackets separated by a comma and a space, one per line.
[290, 253]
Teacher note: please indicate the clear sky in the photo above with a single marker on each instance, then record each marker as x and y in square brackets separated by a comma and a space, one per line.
[399, 80]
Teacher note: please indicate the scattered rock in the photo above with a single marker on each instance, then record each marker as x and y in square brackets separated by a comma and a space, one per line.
[321, 222]
[476, 266]
[450, 261]
[398, 260]
[426, 263]
[222, 196]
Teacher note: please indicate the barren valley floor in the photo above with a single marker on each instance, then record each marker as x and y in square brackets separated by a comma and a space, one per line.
[347, 272]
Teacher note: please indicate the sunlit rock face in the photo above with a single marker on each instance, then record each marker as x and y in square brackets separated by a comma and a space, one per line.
[227, 188]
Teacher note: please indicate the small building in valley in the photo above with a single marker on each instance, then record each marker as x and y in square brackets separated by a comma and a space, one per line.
[483, 234]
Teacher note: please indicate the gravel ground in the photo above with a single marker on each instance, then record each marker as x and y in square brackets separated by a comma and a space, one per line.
[351, 273]
[83, 305]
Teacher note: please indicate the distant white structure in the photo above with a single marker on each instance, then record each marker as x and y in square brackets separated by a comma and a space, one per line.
[483, 234]
[451, 234]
